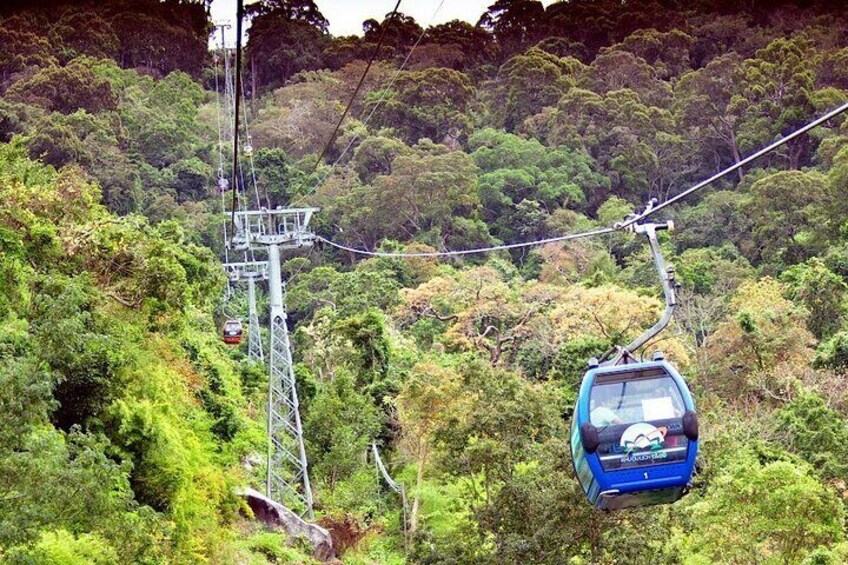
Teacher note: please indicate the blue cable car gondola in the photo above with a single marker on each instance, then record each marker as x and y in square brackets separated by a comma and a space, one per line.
[634, 432]
[634, 436]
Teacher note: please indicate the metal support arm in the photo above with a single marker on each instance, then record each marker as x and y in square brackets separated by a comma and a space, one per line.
[667, 278]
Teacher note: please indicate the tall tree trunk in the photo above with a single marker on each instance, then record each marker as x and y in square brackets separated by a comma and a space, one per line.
[734, 147]
[416, 500]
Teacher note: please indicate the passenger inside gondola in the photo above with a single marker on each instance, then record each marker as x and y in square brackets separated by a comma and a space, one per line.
[603, 411]
[223, 184]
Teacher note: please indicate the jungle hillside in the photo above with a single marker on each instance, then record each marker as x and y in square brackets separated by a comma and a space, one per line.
[128, 428]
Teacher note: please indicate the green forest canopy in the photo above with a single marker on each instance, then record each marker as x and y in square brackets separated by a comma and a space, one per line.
[127, 424]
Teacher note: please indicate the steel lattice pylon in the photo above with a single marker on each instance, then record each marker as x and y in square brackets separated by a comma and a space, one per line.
[254, 338]
[287, 465]
[287, 474]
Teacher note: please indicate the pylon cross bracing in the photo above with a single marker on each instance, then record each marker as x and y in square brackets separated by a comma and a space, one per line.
[287, 475]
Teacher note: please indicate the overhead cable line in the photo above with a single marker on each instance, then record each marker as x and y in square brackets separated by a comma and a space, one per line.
[249, 145]
[623, 225]
[221, 155]
[239, 18]
[474, 251]
[240, 199]
[765, 150]
[383, 96]
[356, 90]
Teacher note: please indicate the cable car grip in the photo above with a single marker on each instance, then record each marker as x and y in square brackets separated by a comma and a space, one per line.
[667, 279]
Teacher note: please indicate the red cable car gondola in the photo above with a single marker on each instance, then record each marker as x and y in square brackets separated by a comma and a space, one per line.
[232, 332]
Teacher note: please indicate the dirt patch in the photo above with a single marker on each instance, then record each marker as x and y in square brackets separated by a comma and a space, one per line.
[345, 531]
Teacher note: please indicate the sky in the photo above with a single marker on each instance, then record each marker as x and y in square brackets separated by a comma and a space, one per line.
[346, 16]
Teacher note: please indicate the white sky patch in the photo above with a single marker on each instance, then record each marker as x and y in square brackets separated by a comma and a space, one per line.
[346, 16]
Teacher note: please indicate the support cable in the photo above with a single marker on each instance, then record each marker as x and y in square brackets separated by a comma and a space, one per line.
[476, 250]
[356, 90]
[395, 486]
[239, 200]
[382, 468]
[633, 219]
[239, 18]
[383, 96]
[735, 167]
[221, 155]
[249, 140]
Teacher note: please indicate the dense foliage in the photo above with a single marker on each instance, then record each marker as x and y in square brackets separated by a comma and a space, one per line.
[126, 423]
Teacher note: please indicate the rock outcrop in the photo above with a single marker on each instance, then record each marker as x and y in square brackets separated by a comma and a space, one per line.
[278, 517]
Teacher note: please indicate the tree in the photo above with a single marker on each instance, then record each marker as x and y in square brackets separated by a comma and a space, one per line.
[374, 156]
[593, 24]
[817, 433]
[702, 104]
[430, 104]
[712, 270]
[833, 71]
[294, 10]
[523, 183]
[66, 89]
[474, 43]
[505, 418]
[833, 353]
[437, 55]
[615, 70]
[273, 175]
[636, 144]
[708, 276]
[528, 82]
[341, 51]
[761, 331]
[165, 37]
[480, 311]
[755, 510]
[305, 113]
[56, 143]
[821, 291]
[721, 34]
[514, 23]
[786, 210]
[286, 36]
[667, 52]
[720, 218]
[397, 30]
[499, 320]
[191, 179]
[340, 425]
[63, 548]
[347, 293]
[160, 117]
[574, 262]
[431, 392]
[423, 196]
[773, 95]
[85, 33]
[76, 348]
[608, 313]
[21, 49]
[370, 352]
[564, 48]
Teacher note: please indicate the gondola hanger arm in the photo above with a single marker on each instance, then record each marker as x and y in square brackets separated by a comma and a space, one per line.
[667, 279]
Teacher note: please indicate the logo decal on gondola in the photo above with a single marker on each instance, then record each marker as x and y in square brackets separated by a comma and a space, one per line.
[643, 436]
